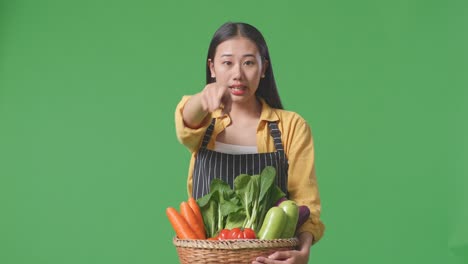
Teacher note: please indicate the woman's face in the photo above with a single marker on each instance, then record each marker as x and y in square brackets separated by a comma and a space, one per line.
[238, 65]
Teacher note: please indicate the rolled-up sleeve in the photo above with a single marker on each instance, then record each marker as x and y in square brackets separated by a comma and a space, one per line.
[189, 137]
[302, 181]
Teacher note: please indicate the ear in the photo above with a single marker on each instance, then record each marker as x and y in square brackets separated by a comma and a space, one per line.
[211, 66]
[264, 68]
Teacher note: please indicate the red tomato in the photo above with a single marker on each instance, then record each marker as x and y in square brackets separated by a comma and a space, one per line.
[249, 233]
[235, 233]
[245, 233]
[224, 234]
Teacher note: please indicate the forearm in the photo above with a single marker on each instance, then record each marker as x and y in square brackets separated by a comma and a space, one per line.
[302, 181]
[193, 113]
[189, 137]
[305, 241]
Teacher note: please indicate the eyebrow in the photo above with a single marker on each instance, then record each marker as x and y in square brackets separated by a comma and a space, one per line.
[230, 55]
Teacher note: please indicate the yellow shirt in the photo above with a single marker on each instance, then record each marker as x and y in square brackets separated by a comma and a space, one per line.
[298, 146]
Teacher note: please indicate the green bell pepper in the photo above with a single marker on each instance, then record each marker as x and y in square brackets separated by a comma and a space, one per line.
[292, 214]
[273, 224]
[280, 221]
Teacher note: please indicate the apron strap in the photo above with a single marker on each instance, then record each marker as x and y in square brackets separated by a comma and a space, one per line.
[208, 133]
[276, 134]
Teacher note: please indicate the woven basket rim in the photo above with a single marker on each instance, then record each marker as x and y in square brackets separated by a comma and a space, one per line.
[236, 244]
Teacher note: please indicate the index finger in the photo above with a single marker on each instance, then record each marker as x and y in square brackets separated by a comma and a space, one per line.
[280, 255]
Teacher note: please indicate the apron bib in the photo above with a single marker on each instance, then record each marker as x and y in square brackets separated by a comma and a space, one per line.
[211, 164]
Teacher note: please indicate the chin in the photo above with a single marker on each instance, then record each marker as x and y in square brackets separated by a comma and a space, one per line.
[242, 99]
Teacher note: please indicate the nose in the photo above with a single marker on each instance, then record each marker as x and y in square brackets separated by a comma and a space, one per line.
[237, 72]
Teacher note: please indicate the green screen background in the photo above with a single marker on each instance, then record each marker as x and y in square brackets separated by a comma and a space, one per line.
[89, 159]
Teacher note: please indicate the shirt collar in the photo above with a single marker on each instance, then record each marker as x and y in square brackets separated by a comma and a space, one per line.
[268, 113]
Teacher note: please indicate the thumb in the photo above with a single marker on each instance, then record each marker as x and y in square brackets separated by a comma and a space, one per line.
[227, 105]
[227, 101]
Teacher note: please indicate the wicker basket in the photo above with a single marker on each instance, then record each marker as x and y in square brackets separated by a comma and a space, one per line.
[229, 251]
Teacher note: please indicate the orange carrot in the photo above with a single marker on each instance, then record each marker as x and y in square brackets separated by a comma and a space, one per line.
[192, 220]
[179, 224]
[196, 210]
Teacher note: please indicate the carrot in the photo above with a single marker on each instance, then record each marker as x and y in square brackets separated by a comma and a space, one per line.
[196, 209]
[192, 220]
[179, 224]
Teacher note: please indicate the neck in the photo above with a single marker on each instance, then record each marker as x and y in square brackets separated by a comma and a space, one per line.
[248, 110]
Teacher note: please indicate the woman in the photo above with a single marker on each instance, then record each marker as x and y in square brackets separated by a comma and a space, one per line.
[237, 124]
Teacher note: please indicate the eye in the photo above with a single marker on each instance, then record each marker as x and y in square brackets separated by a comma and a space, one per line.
[249, 62]
[226, 63]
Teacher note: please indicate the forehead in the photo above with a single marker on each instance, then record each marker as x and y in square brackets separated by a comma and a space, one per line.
[238, 46]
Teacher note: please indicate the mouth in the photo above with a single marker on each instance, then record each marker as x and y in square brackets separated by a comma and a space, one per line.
[238, 89]
[237, 84]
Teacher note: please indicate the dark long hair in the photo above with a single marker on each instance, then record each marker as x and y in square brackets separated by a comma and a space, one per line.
[267, 86]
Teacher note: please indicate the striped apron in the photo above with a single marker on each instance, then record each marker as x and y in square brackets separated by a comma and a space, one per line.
[211, 164]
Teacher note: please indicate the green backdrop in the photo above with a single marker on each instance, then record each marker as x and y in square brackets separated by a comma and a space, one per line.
[89, 159]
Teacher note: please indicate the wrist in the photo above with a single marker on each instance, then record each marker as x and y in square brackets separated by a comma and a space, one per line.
[305, 241]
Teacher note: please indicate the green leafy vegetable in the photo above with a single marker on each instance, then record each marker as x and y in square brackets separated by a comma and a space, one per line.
[245, 206]
[258, 194]
[217, 205]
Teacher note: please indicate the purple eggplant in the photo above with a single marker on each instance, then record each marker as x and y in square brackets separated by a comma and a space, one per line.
[304, 214]
[282, 199]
